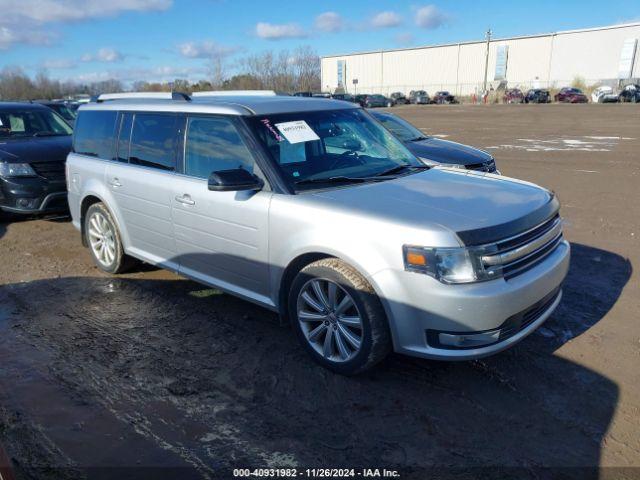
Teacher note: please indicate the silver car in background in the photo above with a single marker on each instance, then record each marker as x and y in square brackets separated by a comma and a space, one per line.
[314, 210]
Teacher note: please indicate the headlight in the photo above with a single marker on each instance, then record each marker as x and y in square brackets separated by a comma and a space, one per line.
[450, 265]
[16, 170]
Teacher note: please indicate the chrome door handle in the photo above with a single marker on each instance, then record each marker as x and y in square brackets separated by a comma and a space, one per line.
[115, 183]
[185, 199]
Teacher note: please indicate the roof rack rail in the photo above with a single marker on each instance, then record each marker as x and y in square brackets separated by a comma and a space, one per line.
[228, 93]
[142, 95]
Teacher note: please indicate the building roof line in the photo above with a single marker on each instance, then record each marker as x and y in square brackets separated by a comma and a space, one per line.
[493, 40]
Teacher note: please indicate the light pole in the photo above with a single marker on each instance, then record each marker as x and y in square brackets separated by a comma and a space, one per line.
[486, 62]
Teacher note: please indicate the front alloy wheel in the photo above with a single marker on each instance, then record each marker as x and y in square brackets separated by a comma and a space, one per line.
[329, 320]
[338, 317]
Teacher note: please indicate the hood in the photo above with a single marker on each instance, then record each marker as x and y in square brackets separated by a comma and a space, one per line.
[479, 208]
[35, 149]
[444, 151]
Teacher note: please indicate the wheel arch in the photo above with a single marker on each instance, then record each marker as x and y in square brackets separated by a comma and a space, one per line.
[302, 260]
[87, 201]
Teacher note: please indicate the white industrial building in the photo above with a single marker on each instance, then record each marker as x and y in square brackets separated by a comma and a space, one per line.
[605, 55]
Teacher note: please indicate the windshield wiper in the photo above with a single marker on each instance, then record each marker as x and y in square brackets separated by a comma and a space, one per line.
[400, 168]
[309, 181]
[417, 139]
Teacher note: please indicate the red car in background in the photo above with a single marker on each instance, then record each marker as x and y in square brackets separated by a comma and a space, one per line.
[513, 95]
[570, 95]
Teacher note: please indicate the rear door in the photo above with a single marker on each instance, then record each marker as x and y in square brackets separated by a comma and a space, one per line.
[221, 237]
[141, 181]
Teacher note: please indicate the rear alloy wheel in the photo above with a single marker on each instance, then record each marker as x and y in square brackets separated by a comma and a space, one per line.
[103, 238]
[338, 317]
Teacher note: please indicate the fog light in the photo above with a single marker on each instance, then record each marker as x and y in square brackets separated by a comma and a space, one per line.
[469, 340]
[27, 202]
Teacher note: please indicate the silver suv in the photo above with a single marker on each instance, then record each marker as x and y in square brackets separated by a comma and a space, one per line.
[311, 208]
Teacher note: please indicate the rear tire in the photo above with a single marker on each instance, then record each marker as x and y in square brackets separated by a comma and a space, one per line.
[338, 317]
[104, 241]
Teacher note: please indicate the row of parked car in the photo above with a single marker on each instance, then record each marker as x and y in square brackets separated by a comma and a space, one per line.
[368, 100]
[603, 94]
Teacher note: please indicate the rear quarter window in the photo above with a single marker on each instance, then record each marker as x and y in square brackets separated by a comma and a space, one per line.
[153, 141]
[94, 133]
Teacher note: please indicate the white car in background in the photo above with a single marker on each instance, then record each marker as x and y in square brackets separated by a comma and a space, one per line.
[604, 94]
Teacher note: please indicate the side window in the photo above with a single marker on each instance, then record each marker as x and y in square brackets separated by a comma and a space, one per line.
[126, 121]
[212, 144]
[94, 133]
[153, 141]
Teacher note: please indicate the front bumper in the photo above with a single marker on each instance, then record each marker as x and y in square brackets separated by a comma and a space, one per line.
[32, 195]
[418, 305]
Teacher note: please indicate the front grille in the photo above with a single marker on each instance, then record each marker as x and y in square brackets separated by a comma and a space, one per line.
[53, 171]
[489, 166]
[518, 254]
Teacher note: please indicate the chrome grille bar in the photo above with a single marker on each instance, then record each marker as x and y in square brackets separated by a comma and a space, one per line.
[510, 256]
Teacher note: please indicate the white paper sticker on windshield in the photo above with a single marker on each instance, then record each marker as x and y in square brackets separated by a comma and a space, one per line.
[296, 132]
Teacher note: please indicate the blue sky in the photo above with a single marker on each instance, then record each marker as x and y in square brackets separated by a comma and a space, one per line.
[152, 40]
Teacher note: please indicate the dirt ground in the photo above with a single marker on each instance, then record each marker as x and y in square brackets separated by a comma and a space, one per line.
[148, 375]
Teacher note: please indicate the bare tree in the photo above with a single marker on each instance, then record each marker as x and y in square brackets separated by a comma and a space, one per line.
[281, 71]
[15, 84]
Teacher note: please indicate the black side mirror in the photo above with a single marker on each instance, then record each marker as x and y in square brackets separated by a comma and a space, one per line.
[234, 180]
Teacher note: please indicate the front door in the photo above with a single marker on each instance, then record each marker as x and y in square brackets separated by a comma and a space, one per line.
[221, 237]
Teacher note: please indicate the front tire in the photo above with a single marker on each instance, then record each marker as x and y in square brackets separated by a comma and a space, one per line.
[104, 241]
[338, 317]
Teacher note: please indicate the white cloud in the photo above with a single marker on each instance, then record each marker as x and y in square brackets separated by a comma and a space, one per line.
[48, 11]
[271, 31]
[206, 49]
[10, 36]
[386, 20]
[429, 17]
[22, 21]
[105, 55]
[329, 22]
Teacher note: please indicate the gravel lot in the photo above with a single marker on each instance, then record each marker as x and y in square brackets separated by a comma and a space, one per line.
[148, 375]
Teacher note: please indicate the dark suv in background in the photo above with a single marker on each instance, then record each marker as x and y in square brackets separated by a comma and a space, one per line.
[34, 143]
[435, 151]
[537, 95]
[62, 109]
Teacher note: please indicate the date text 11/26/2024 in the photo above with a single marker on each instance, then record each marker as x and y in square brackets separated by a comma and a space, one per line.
[316, 473]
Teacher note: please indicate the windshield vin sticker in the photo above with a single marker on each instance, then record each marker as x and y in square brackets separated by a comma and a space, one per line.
[297, 132]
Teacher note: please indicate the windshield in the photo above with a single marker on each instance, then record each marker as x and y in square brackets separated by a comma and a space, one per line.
[65, 112]
[32, 123]
[400, 128]
[310, 147]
